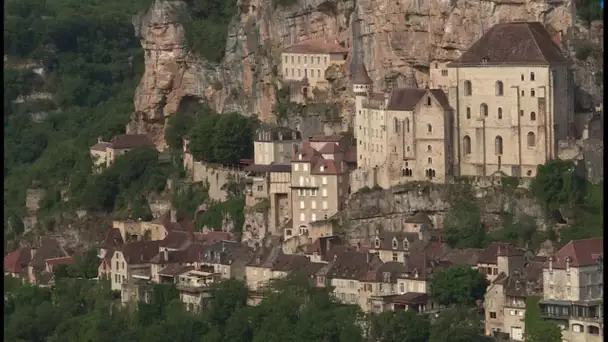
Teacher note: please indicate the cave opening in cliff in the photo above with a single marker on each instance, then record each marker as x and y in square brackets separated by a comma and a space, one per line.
[189, 105]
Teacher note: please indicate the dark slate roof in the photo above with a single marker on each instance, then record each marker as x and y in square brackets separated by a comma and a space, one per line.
[270, 132]
[257, 168]
[100, 146]
[386, 240]
[140, 252]
[226, 253]
[113, 239]
[353, 265]
[490, 253]
[49, 249]
[440, 96]
[516, 43]
[362, 77]
[128, 141]
[175, 269]
[405, 98]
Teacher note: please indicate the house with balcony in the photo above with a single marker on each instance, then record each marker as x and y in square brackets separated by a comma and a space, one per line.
[574, 290]
[194, 287]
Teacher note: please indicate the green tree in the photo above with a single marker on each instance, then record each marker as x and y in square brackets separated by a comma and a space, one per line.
[558, 184]
[233, 139]
[202, 138]
[406, 326]
[462, 226]
[538, 330]
[178, 126]
[457, 325]
[458, 285]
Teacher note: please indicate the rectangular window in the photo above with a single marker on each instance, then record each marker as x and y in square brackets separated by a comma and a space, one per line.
[444, 72]
[324, 180]
[402, 288]
[302, 217]
[301, 180]
[295, 166]
[313, 205]
[324, 205]
[395, 257]
[493, 315]
[324, 192]
[313, 192]
[305, 167]
[302, 206]
[313, 218]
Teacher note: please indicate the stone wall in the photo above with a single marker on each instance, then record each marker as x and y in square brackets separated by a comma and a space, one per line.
[216, 176]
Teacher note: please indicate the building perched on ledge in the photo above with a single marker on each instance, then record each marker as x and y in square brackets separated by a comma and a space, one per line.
[104, 153]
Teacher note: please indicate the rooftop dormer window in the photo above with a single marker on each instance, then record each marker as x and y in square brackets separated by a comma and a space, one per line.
[394, 243]
[322, 168]
[280, 136]
[377, 243]
[406, 244]
[299, 156]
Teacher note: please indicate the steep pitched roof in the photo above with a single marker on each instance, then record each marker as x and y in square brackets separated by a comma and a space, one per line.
[140, 252]
[59, 261]
[100, 146]
[17, 260]
[582, 252]
[317, 46]
[352, 265]
[362, 77]
[226, 253]
[49, 249]
[126, 141]
[490, 253]
[387, 238]
[405, 98]
[515, 43]
[330, 148]
[113, 239]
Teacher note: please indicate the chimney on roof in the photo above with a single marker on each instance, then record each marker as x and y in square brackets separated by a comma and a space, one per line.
[165, 254]
[568, 260]
[99, 139]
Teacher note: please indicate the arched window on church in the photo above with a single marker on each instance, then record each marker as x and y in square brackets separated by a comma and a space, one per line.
[498, 145]
[466, 145]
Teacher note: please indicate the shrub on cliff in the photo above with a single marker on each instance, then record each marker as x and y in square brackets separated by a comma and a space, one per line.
[462, 226]
[459, 285]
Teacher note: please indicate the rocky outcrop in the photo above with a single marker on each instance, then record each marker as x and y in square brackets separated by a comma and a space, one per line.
[387, 209]
[395, 39]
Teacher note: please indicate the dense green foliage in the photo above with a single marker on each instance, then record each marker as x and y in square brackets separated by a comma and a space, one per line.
[207, 31]
[92, 63]
[537, 329]
[84, 310]
[459, 285]
[222, 139]
[462, 226]
[589, 10]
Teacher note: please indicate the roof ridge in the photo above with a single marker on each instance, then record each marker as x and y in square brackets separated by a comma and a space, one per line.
[532, 34]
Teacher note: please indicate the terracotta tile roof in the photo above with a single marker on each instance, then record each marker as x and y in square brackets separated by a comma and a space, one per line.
[330, 167]
[49, 249]
[140, 252]
[490, 254]
[290, 263]
[362, 77]
[316, 46]
[306, 154]
[330, 148]
[420, 266]
[192, 253]
[405, 99]
[516, 43]
[59, 261]
[100, 146]
[127, 141]
[17, 260]
[177, 239]
[323, 245]
[582, 252]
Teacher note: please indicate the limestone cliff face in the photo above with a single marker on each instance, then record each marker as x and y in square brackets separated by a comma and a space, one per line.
[396, 39]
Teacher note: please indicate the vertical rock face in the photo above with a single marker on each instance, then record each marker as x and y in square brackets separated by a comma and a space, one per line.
[396, 39]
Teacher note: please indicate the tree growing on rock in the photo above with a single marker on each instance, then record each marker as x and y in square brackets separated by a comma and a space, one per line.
[462, 226]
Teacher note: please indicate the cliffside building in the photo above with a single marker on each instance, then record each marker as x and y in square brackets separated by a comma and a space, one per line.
[275, 145]
[401, 136]
[304, 64]
[104, 153]
[513, 98]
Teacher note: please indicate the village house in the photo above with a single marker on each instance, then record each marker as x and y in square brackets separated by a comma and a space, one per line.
[275, 144]
[512, 104]
[505, 298]
[573, 290]
[303, 66]
[228, 259]
[319, 183]
[104, 153]
[43, 260]
[487, 262]
[271, 263]
[392, 246]
[194, 287]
